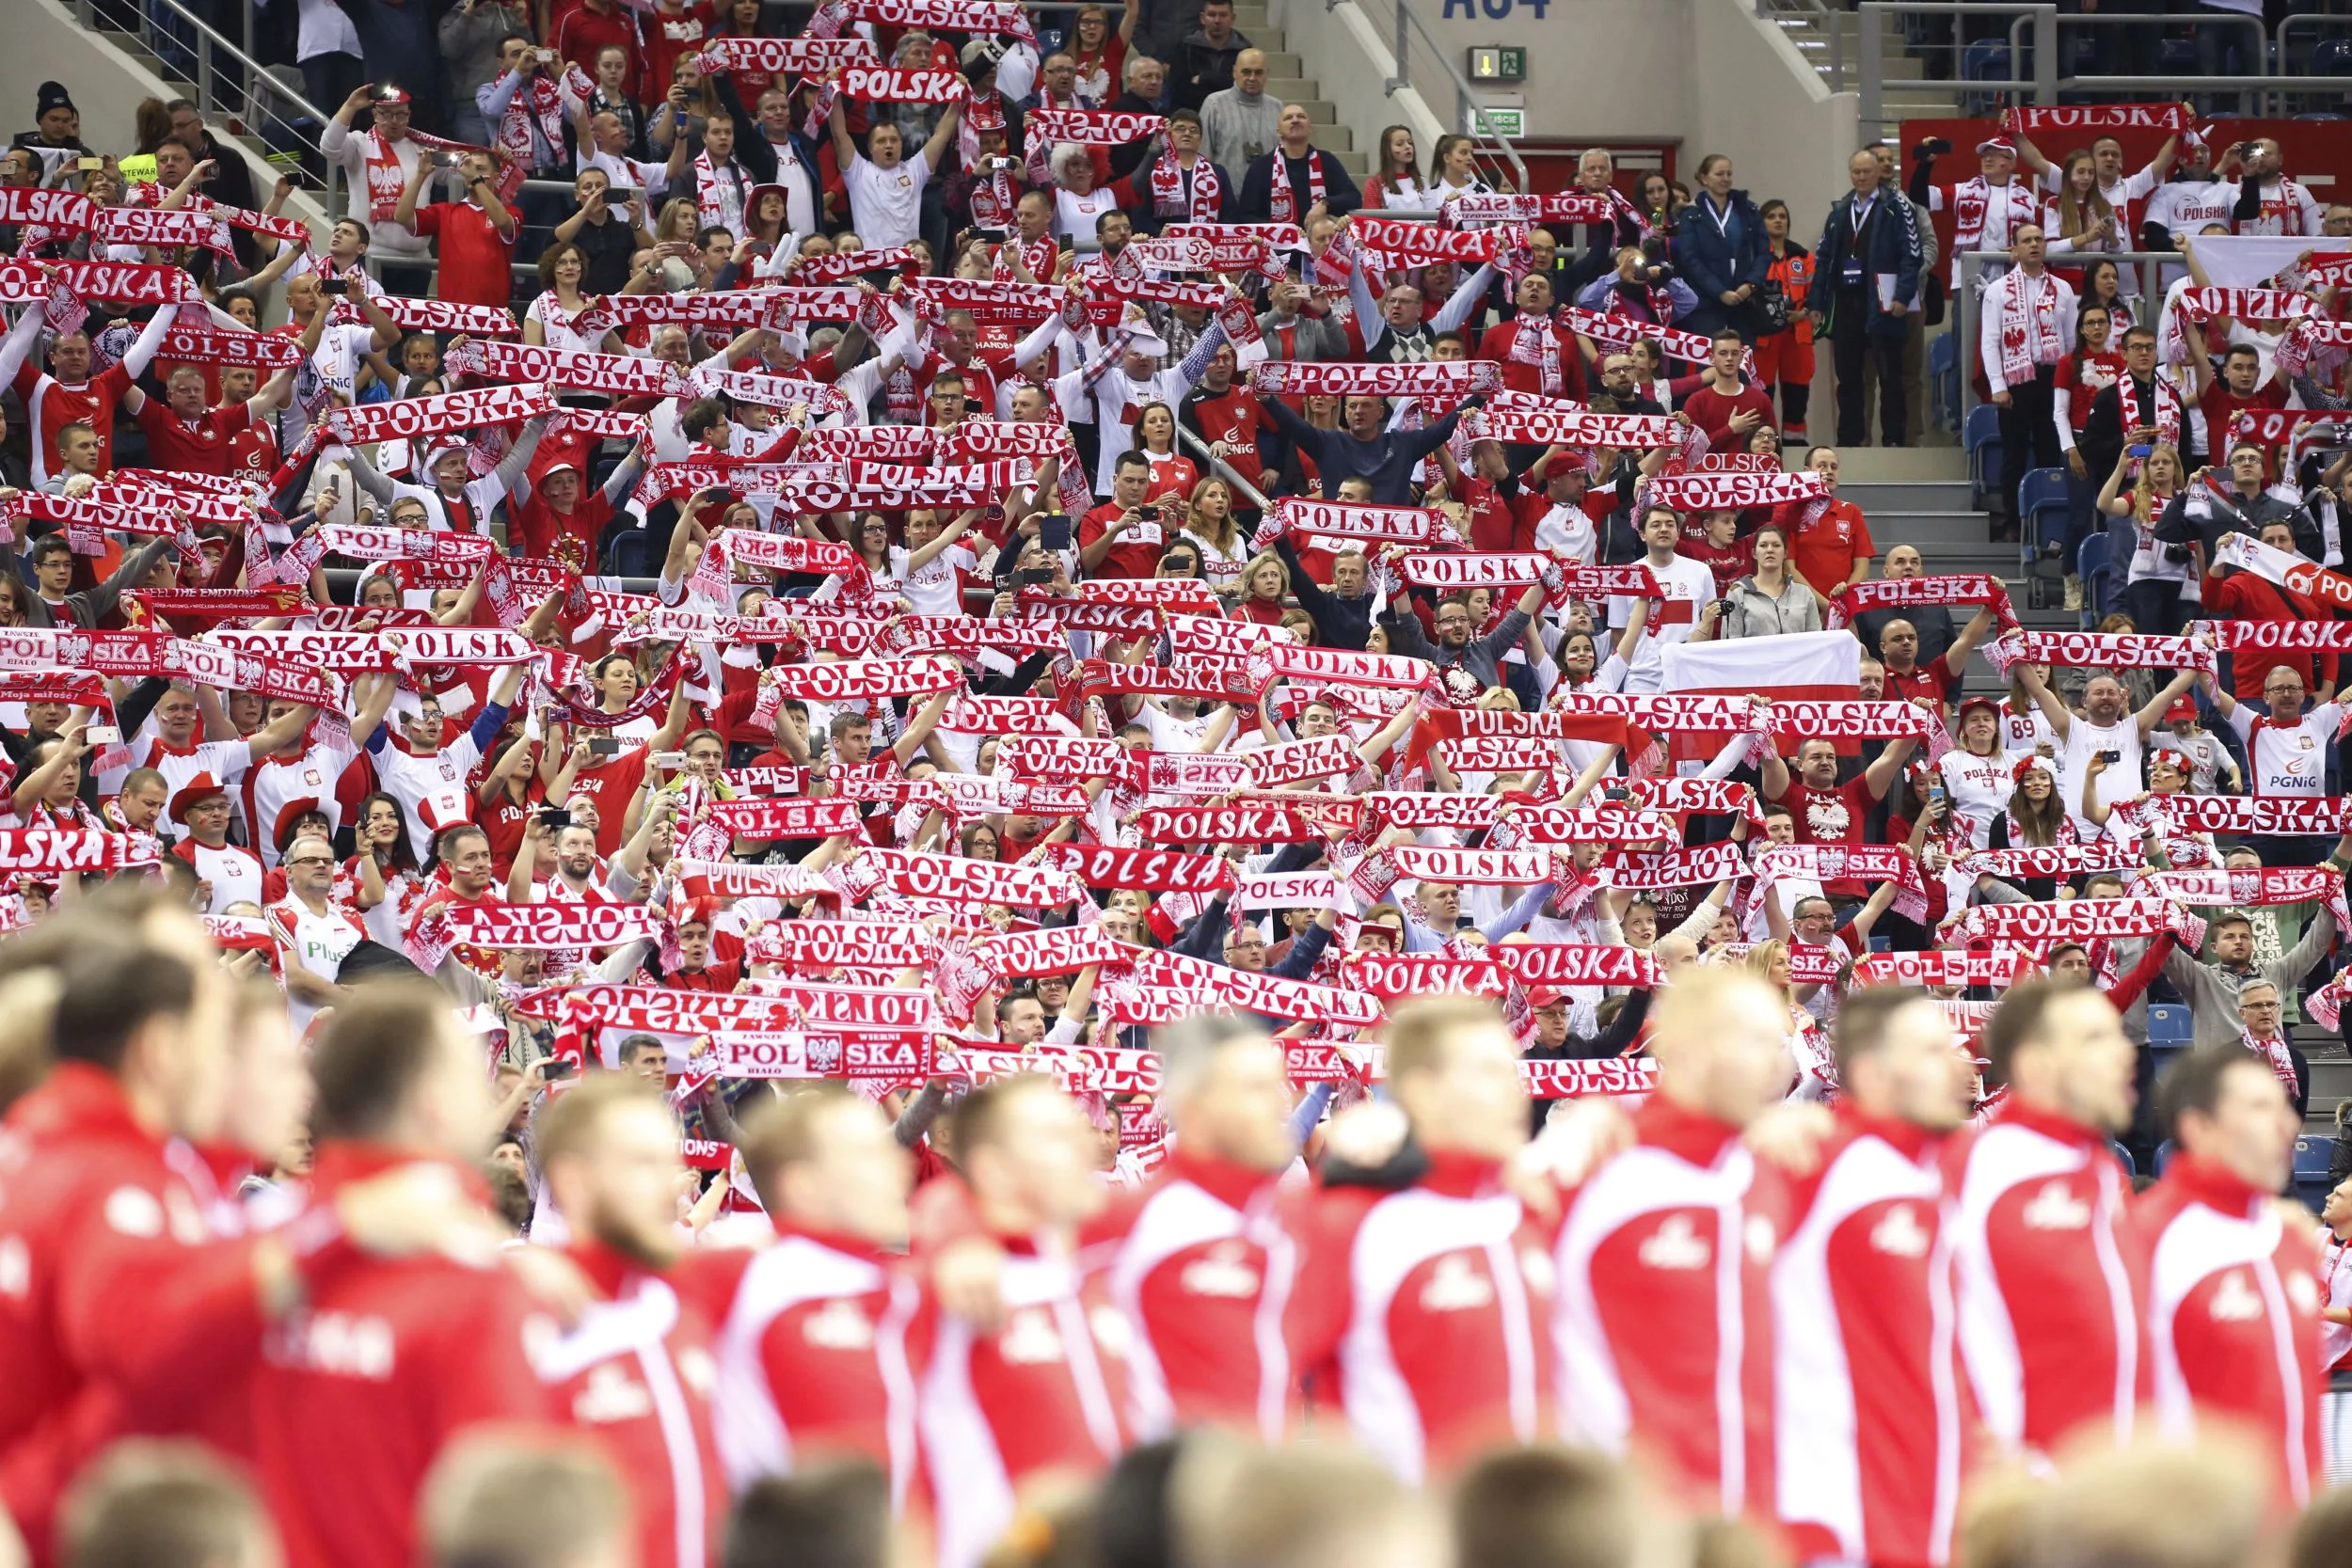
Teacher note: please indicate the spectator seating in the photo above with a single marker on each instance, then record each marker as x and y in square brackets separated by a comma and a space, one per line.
[2168, 1023]
[2042, 507]
[1944, 381]
[2090, 564]
[2164, 1155]
[1983, 441]
[2311, 1170]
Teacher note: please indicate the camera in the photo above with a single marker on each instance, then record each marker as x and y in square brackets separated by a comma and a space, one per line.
[1617, 792]
[2178, 555]
[1000, 165]
[1036, 577]
[556, 1067]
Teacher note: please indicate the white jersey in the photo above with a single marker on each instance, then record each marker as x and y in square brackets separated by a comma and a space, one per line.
[413, 778]
[2287, 759]
[1978, 789]
[937, 587]
[2184, 207]
[273, 784]
[2124, 196]
[2287, 209]
[1686, 585]
[886, 203]
[232, 874]
[2121, 781]
[319, 943]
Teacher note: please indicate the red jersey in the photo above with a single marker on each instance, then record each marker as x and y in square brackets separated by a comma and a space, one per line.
[476, 261]
[611, 785]
[2234, 1327]
[1663, 1332]
[637, 1371]
[1201, 1266]
[813, 1357]
[1136, 553]
[1729, 563]
[1044, 1392]
[411, 1352]
[1419, 1310]
[581, 35]
[2084, 382]
[1528, 375]
[539, 533]
[2048, 1286]
[1712, 411]
[198, 446]
[1234, 417]
[252, 451]
[93, 1215]
[669, 35]
[1932, 680]
[50, 405]
[2220, 405]
[1830, 816]
[1865, 1362]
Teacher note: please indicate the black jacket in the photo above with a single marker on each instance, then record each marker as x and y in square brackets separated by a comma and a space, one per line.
[1892, 242]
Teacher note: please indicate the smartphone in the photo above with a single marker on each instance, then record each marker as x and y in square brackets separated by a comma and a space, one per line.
[2110, 758]
[90, 166]
[674, 761]
[605, 746]
[1617, 792]
[1036, 577]
[1052, 530]
[2140, 453]
[880, 277]
[447, 160]
[556, 1067]
[384, 92]
[334, 285]
[102, 735]
[556, 818]
[1935, 794]
[1147, 514]
[621, 193]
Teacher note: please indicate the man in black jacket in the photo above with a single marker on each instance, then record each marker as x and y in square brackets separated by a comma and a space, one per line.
[1365, 447]
[2105, 436]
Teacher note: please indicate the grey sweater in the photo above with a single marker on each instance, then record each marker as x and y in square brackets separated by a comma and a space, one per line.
[2211, 990]
[1236, 130]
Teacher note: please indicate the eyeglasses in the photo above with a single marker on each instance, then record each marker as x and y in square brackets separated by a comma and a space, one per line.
[309, 860]
[2270, 1007]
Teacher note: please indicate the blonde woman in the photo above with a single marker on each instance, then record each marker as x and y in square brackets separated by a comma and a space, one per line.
[2080, 217]
[2157, 587]
[1211, 527]
[1812, 1063]
[1265, 582]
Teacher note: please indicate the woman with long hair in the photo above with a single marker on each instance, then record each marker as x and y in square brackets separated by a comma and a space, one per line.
[2102, 287]
[1783, 355]
[1977, 775]
[678, 221]
[1453, 170]
[2087, 369]
[1181, 559]
[1396, 183]
[2162, 582]
[381, 884]
[1809, 1054]
[1212, 529]
[1173, 475]
[1101, 54]
[554, 318]
[1264, 583]
[2080, 217]
[690, 108]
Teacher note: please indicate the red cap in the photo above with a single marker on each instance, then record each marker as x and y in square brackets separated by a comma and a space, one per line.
[197, 790]
[1997, 144]
[288, 815]
[2184, 707]
[390, 94]
[1544, 996]
[1990, 705]
[437, 815]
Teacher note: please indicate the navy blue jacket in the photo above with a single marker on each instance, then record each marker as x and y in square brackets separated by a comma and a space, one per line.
[1716, 260]
[1893, 240]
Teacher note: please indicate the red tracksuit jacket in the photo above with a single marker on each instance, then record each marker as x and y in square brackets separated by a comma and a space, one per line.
[2049, 1287]
[1201, 1266]
[811, 1356]
[119, 1311]
[2233, 1316]
[636, 1370]
[1043, 1394]
[1418, 1313]
[1866, 1356]
[1663, 1330]
[356, 1395]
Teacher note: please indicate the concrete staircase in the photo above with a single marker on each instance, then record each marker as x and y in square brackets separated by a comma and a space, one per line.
[1908, 94]
[1287, 83]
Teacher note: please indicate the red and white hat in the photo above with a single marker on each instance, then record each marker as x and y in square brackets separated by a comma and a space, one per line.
[1997, 144]
[441, 812]
[288, 815]
[195, 792]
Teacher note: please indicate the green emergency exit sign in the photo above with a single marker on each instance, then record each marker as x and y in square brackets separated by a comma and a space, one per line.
[1506, 62]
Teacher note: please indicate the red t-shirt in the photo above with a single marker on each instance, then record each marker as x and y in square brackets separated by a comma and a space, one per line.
[1831, 816]
[581, 35]
[1825, 551]
[612, 785]
[1136, 554]
[538, 533]
[1932, 679]
[2099, 372]
[199, 446]
[1729, 564]
[670, 34]
[476, 261]
[51, 405]
[1711, 412]
[2221, 406]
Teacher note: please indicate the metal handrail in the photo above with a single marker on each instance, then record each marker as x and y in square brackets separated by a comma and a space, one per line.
[1466, 98]
[260, 83]
[1219, 469]
[1820, 15]
[2210, 85]
[1871, 45]
[2317, 24]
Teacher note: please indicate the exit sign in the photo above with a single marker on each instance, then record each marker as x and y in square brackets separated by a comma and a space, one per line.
[1484, 122]
[1498, 63]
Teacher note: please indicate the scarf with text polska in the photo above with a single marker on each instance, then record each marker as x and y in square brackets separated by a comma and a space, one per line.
[1436, 381]
[771, 820]
[1957, 588]
[1390, 975]
[1332, 666]
[1486, 867]
[915, 874]
[551, 926]
[48, 852]
[1358, 522]
[825, 945]
[1254, 824]
[1603, 824]
[795, 56]
[1059, 950]
[2315, 340]
[1831, 862]
[1952, 967]
[1102, 866]
[365, 424]
[266, 351]
[1417, 244]
[620, 375]
[1651, 870]
[411, 314]
[2077, 920]
[2267, 885]
[116, 282]
[1512, 416]
[2051, 859]
[1254, 992]
[1732, 492]
[1090, 127]
[2097, 650]
[1554, 207]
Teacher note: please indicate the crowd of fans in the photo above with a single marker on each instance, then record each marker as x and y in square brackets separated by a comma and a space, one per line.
[1009, 771]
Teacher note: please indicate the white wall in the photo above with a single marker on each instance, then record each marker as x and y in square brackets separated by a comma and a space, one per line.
[1759, 103]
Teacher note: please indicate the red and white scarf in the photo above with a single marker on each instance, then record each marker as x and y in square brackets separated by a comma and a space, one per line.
[386, 179]
[1283, 202]
[2166, 421]
[1974, 200]
[2288, 570]
[1955, 588]
[48, 852]
[536, 97]
[1168, 197]
[721, 196]
[1090, 127]
[2029, 323]
[2097, 650]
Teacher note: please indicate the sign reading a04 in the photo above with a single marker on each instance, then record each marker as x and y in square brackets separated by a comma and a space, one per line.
[1492, 10]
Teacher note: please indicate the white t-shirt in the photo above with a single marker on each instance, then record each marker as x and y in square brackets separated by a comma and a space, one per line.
[886, 204]
[1686, 582]
[2121, 781]
[341, 352]
[311, 776]
[320, 944]
[938, 588]
[1075, 214]
[555, 326]
[1567, 529]
[1978, 789]
[1170, 733]
[2185, 206]
[413, 777]
[2123, 196]
[2288, 760]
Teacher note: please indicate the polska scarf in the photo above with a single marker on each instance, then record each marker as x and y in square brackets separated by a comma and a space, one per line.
[2029, 323]
[1283, 202]
[2288, 570]
[721, 193]
[1170, 200]
[1957, 588]
[1536, 341]
[2166, 421]
[536, 99]
[1091, 127]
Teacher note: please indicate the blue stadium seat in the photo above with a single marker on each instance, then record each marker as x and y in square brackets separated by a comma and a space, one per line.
[1984, 60]
[2041, 509]
[2090, 564]
[630, 555]
[2177, 58]
[1983, 441]
[2333, 57]
[2310, 1169]
[2164, 1155]
[2122, 1157]
[2168, 1023]
[1944, 381]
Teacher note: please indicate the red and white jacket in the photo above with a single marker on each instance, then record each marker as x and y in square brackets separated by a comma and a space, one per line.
[1663, 1327]
[1865, 1356]
[1202, 1269]
[2048, 1285]
[637, 1371]
[1418, 1313]
[812, 1357]
[2233, 1327]
[1043, 1392]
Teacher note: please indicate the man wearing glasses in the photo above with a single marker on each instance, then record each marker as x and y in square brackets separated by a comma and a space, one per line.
[2261, 1010]
[2287, 751]
[315, 936]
